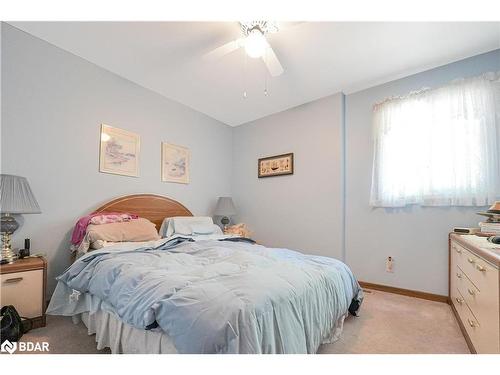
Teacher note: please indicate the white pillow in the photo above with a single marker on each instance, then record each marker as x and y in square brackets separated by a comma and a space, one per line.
[188, 225]
[182, 227]
[202, 228]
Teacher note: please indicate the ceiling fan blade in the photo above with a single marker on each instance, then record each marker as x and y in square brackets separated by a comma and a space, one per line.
[223, 50]
[289, 25]
[272, 62]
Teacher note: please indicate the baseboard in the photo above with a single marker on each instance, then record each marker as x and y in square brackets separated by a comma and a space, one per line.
[405, 292]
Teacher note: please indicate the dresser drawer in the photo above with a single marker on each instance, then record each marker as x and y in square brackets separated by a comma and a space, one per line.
[457, 255]
[474, 292]
[483, 304]
[457, 300]
[23, 290]
[483, 338]
[466, 316]
[466, 287]
[482, 274]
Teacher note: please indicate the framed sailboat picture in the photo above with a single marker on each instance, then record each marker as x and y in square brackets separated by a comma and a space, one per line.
[119, 151]
[278, 165]
[175, 163]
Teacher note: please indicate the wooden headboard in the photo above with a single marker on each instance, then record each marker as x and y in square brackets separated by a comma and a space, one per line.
[153, 207]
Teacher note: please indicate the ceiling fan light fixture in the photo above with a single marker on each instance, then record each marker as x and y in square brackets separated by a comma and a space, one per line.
[255, 43]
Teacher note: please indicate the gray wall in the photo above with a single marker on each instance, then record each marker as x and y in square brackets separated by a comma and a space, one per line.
[416, 237]
[53, 105]
[300, 211]
[304, 211]
[52, 108]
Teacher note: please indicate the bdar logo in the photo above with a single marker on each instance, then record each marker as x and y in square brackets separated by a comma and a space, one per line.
[9, 347]
[21, 346]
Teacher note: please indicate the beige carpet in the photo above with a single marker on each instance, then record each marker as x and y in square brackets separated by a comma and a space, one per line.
[391, 323]
[388, 323]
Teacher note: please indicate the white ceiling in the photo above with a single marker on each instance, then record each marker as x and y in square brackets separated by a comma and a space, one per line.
[319, 58]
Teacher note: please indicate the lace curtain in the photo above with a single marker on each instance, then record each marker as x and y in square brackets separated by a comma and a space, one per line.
[439, 147]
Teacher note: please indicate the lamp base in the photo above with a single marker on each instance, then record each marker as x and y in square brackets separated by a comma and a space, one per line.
[7, 255]
[224, 221]
[8, 225]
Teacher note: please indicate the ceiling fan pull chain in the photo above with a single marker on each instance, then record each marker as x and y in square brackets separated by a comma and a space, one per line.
[265, 77]
[245, 76]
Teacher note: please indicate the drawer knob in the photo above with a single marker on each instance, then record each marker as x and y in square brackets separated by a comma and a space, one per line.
[13, 280]
[457, 250]
[460, 300]
[459, 275]
[471, 292]
[471, 260]
[471, 323]
[480, 268]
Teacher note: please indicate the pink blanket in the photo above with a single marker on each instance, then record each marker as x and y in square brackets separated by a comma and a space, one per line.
[107, 217]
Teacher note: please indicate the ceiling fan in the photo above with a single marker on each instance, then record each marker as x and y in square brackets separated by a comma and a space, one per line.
[255, 43]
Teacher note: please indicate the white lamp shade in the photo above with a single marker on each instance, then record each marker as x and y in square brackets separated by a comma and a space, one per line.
[225, 207]
[16, 196]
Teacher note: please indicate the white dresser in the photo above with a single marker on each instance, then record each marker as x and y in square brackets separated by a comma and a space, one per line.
[474, 290]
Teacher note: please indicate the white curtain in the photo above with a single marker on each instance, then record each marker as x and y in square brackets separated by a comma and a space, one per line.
[439, 147]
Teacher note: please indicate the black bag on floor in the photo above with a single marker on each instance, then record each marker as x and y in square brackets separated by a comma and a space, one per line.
[12, 327]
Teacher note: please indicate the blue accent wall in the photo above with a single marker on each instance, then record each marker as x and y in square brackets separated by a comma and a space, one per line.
[53, 104]
[415, 237]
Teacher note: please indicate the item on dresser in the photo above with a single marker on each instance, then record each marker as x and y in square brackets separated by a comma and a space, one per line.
[494, 239]
[26, 251]
[490, 227]
[16, 197]
[493, 213]
[464, 230]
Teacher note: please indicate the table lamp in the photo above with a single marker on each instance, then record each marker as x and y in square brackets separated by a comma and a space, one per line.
[16, 197]
[225, 208]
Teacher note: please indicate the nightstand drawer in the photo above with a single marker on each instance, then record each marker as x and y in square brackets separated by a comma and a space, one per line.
[23, 290]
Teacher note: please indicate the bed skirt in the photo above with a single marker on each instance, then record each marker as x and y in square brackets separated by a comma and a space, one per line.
[111, 332]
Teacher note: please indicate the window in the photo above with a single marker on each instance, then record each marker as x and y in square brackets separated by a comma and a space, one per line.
[438, 147]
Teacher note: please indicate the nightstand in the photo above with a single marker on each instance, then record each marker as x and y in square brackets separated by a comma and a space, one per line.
[23, 285]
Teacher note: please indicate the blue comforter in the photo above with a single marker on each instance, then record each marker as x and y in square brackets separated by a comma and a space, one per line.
[222, 297]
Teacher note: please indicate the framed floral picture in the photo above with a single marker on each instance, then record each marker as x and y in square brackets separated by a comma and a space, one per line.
[278, 165]
[119, 151]
[175, 163]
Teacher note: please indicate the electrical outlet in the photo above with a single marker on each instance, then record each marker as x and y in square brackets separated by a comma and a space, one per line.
[389, 266]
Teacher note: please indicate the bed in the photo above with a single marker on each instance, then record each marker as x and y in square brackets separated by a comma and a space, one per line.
[214, 294]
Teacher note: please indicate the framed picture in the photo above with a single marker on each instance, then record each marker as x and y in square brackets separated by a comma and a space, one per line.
[119, 152]
[278, 165]
[174, 163]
